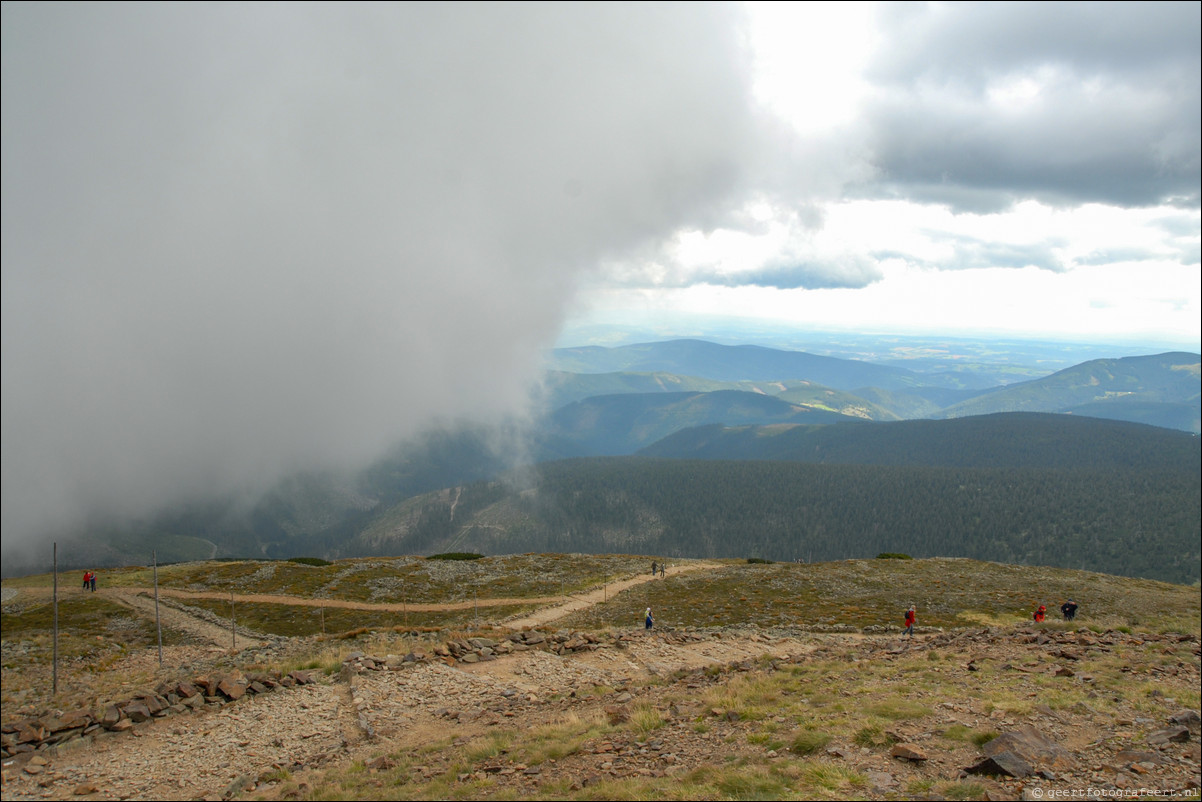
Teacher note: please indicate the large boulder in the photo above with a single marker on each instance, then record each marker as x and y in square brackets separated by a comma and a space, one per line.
[1021, 753]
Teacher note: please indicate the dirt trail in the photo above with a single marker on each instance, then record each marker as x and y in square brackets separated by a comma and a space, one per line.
[546, 615]
[141, 599]
[172, 618]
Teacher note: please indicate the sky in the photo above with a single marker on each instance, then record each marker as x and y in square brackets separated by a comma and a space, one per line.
[1026, 169]
[242, 240]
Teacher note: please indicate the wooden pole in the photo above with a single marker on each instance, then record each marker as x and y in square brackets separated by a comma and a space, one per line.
[158, 627]
[233, 628]
[54, 671]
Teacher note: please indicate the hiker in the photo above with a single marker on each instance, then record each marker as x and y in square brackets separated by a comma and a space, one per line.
[1069, 610]
[87, 576]
[92, 580]
[1040, 613]
[648, 622]
[654, 568]
[910, 616]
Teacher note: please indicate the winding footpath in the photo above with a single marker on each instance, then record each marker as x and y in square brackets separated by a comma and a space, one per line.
[141, 600]
[214, 754]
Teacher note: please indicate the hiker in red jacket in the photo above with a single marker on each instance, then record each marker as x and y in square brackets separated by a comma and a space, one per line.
[910, 622]
[1040, 614]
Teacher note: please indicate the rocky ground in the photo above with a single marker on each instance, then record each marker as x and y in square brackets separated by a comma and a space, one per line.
[382, 714]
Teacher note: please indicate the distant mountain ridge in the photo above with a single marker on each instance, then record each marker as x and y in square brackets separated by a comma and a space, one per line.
[1171, 378]
[732, 363]
[1161, 389]
[622, 424]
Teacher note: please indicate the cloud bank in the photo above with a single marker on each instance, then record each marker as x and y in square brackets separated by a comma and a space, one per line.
[245, 240]
[978, 105]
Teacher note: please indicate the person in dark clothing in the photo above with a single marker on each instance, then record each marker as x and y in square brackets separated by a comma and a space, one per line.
[1069, 610]
[648, 622]
[654, 568]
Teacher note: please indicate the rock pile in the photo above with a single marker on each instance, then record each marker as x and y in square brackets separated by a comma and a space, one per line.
[477, 650]
[56, 728]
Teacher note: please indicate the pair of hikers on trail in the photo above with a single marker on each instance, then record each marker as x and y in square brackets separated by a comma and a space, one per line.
[89, 580]
[910, 618]
[1068, 610]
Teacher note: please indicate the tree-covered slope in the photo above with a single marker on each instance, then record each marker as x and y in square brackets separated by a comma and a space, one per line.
[621, 424]
[561, 388]
[1009, 440]
[1170, 379]
[1126, 522]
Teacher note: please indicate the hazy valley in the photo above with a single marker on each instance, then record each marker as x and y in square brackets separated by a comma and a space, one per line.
[855, 458]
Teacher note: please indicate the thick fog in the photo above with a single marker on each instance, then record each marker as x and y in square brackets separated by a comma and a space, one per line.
[244, 240]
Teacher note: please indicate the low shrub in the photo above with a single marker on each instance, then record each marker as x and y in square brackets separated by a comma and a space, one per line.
[873, 735]
[314, 561]
[809, 741]
[982, 738]
[456, 555]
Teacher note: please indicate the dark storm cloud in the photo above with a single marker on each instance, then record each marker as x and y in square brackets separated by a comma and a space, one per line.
[1115, 120]
[243, 240]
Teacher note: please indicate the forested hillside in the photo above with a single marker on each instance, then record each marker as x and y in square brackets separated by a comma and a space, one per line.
[1142, 522]
[612, 425]
[1009, 440]
[1164, 386]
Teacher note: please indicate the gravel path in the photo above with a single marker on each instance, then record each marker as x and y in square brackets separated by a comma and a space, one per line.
[201, 755]
[170, 617]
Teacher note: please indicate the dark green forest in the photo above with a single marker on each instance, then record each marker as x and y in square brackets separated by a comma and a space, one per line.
[1143, 523]
[1003, 440]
